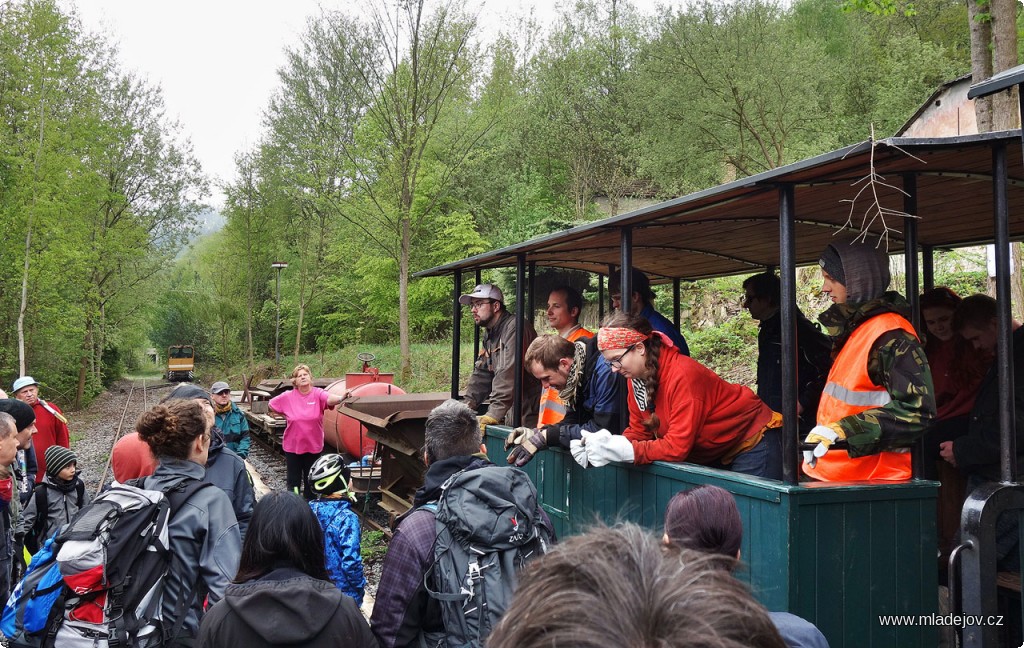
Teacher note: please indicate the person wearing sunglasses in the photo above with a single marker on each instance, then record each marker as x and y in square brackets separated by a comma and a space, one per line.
[679, 410]
[490, 388]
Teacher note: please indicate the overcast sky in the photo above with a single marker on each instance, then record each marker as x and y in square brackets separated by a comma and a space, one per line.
[216, 60]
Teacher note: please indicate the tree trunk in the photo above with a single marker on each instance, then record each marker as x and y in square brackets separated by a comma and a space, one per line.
[24, 300]
[1004, 57]
[83, 367]
[405, 371]
[981, 60]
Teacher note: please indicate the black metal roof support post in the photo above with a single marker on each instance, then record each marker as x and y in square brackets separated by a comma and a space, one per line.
[456, 331]
[517, 391]
[1004, 351]
[911, 284]
[985, 504]
[600, 299]
[625, 305]
[626, 268]
[531, 297]
[676, 318]
[910, 248]
[927, 267]
[476, 329]
[787, 308]
[611, 273]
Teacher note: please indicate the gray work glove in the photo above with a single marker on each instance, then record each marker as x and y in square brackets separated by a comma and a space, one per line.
[523, 453]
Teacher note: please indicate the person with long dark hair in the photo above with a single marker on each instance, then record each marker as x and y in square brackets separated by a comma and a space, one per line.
[957, 370]
[679, 410]
[282, 594]
[706, 519]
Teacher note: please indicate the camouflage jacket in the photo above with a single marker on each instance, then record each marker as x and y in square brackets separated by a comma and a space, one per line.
[898, 363]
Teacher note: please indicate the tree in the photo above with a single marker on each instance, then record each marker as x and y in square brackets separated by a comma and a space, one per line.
[993, 47]
[405, 78]
[739, 92]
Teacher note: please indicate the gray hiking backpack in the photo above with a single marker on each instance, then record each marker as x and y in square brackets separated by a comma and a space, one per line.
[489, 526]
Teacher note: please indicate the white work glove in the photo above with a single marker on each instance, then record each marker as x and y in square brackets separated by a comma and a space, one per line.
[578, 452]
[603, 447]
[824, 436]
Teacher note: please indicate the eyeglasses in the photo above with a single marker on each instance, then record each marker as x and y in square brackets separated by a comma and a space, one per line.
[617, 362]
[478, 305]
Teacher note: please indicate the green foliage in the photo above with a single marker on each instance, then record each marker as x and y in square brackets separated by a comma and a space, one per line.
[372, 546]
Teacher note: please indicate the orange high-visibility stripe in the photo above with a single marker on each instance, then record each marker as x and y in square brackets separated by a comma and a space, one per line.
[552, 409]
[849, 391]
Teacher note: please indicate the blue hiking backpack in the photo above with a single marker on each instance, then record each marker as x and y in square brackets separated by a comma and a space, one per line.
[99, 582]
[35, 601]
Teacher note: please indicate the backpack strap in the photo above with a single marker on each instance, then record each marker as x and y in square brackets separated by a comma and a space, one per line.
[42, 514]
[176, 496]
[80, 489]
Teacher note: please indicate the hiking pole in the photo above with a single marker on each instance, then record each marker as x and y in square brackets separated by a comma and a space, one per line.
[117, 435]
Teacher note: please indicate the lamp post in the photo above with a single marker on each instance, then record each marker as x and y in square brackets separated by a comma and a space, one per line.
[279, 266]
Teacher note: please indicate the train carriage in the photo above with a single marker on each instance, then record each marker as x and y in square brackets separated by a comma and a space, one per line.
[840, 555]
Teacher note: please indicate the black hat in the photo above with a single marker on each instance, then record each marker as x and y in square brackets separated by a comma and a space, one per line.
[22, 412]
[832, 263]
[57, 459]
[188, 392]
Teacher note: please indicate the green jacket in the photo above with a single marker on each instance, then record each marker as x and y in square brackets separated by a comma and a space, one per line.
[235, 428]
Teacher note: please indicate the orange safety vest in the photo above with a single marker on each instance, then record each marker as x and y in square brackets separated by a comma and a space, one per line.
[552, 409]
[850, 391]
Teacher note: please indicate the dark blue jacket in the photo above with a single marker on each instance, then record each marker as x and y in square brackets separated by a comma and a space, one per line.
[662, 324]
[597, 401]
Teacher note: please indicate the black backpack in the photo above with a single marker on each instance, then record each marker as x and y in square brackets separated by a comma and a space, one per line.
[114, 556]
[489, 525]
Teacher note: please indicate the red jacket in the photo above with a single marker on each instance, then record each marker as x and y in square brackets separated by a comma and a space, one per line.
[702, 417]
[49, 431]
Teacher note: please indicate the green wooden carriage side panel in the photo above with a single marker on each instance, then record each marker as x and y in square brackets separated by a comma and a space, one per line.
[837, 555]
[861, 552]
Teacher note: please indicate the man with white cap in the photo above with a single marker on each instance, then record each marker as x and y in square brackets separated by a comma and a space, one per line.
[492, 382]
[51, 426]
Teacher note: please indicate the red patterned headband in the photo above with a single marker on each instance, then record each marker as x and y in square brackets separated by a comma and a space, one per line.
[610, 337]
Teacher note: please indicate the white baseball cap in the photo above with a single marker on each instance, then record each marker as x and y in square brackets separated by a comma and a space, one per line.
[483, 291]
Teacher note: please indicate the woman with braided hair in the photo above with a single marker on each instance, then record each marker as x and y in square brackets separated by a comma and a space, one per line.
[679, 410]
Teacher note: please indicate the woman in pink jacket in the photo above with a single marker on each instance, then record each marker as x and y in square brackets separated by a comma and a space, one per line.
[303, 441]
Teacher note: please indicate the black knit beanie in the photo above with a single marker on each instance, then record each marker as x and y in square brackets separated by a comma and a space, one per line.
[832, 263]
[57, 459]
[22, 412]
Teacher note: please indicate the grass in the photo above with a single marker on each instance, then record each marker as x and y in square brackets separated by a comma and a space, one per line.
[372, 546]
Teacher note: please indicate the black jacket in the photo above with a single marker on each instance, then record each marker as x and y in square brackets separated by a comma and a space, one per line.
[977, 452]
[285, 608]
[814, 358]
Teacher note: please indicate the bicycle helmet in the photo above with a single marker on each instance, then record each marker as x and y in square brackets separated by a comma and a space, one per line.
[329, 474]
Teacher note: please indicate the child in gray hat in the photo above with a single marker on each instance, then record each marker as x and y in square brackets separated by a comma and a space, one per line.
[55, 500]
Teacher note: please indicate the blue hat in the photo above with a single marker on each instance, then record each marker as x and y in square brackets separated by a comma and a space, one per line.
[22, 383]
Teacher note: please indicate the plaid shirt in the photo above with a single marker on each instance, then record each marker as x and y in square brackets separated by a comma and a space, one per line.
[402, 607]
